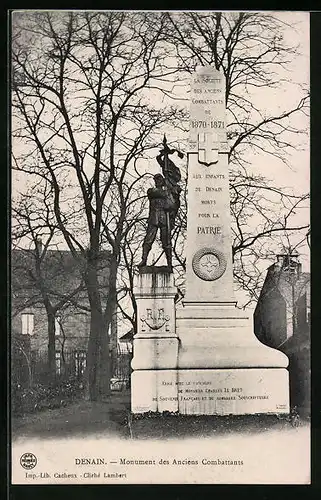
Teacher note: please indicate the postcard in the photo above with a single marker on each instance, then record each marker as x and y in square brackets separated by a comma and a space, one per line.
[160, 286]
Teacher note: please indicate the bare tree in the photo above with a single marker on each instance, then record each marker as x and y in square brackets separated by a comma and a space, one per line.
[82, 117]
[250, 49]
[271, 210]
[43, 274]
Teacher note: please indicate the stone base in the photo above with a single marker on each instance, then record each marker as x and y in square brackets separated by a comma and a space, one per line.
[211, 392]
[154, 353]
[220, 336]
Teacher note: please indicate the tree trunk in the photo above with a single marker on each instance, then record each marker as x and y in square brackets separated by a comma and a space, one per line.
[105, 359]
[113, 339]
[98, 345]
[51, 345]
[93, 359]
[109, 344]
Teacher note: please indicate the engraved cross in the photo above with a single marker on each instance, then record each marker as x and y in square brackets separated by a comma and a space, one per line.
[208, 148]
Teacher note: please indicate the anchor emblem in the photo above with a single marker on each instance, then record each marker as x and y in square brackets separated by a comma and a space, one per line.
[155, 321]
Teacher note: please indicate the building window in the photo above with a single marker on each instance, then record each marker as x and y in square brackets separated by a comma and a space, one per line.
[57, 325]
[80, 362]
[58, 362]
[83, 322]
[27, 324]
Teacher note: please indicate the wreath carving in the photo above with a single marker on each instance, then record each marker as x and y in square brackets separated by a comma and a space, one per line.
[209, 264]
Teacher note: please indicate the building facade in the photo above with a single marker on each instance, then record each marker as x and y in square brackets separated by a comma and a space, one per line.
[55, 278]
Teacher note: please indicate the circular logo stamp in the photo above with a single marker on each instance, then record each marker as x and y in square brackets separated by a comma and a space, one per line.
[209, 264]
[28, 461]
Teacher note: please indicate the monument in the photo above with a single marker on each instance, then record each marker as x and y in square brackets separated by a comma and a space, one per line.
[202, 357]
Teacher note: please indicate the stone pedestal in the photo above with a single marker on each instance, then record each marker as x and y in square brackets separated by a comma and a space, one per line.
[220, 368]
[219, 335]
[155, 343]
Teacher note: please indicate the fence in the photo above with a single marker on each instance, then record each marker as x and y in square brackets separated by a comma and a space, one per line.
[121, 369]
[31, 366]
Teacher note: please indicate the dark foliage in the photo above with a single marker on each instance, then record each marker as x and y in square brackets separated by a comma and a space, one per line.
[41, 397]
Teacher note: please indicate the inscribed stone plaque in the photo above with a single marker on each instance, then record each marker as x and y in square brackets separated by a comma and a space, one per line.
[213, 392]
[207, 111]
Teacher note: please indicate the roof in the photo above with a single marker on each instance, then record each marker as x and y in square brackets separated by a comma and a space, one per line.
[58, 272]
[285, 282]
[127, 337]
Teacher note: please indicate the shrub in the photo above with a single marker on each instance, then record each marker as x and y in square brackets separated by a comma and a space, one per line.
[41, 396]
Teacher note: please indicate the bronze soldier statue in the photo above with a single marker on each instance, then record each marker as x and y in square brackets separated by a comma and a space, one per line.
[164, 202]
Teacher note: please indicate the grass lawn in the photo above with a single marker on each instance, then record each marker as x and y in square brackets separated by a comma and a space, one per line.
[112, 417]
[81, 417]
[172, 426]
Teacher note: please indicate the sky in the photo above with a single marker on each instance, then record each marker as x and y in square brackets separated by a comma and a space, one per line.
[297, 72]
[297, 176]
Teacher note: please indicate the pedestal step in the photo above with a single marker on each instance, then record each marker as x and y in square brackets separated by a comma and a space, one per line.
[216, 335]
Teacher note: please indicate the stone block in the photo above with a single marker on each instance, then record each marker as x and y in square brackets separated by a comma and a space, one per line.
[211, 392]
[155, 353]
